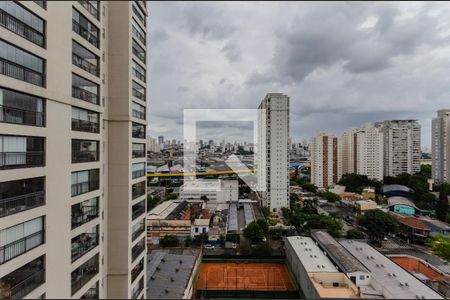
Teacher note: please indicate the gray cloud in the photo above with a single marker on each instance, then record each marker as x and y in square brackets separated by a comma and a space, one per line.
[232, 52]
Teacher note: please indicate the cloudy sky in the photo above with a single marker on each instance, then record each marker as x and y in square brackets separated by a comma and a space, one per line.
[342, 64]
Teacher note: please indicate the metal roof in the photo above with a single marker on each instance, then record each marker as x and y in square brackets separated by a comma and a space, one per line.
[233, 218]
[395, 282]
[249, 215]
[395, 187]
[347, 262]
[397, 200]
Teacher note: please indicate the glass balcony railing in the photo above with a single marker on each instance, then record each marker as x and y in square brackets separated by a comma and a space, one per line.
[83, 216]
[15, 160]
[21, 282]
[85, 126]
[84, 187]
[13, 205]
[80, 156]
[84, 273]
[21, 116]
[137, 270]
[82, 244]
[84, 64]
[16, 71]
[138, 231]
[18, 27]
[138, 289]
[90, 8]
[137, 249]
[91, 38]
[82, 94]
[21, 246]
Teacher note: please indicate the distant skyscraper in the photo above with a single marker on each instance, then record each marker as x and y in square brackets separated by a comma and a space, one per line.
[273, 140]
[347, 152]
[161, 140]
[369, 152]
[440, 146]
[401, 139]
[324, 160]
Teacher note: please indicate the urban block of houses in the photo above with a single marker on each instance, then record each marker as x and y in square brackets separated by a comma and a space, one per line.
[216, 190]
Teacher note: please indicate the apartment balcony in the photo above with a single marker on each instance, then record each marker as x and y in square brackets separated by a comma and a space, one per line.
[138, 211]
[21, 116]
[16, 71]
[18, 27]
[83, 243]
[14, 205]
[21, 282]
[138, 231]
[84, 64]
[90, 8]
[81, 156]
[137, 270]
[137, 174]
[138, 114]
[15, 160]
[91, 293]
[84, 216]
[85, 95]
[19, 247]
[138, 153]
[139, 95]
[83, 32]
[137, 249]
[85, 126]
[84, 273]
[84, 187]
[138, 289]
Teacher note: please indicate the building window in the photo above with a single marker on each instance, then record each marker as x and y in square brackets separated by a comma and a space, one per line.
[85, 59]
[138, 91]
[91, 293]
[20, 195]
[19, 108]
[138, 209]
[23, 22]
[85, 120]
[137, 229]
[85, 28]
[84, 243]
[137, 270]
[85, 181]
[91, 7]
[138, 170]
[21, 152]
[137, 249]
[84, 151]
[139, 13]
[84, 89]
[137, 290]
[138, 71]
[21, 238]
[84, 273]
[138, 150]
[21, 65]
[138, 111]
[22, 281]
[138, 51]
[84, 212]
[138, 131]
[138, 189]
[138, 32]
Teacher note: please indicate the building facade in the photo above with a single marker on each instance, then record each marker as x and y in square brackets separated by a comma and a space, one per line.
[369, 152]
[440, 143]
[72, 140]
[273, 145]
[324, 160]
[401, 146]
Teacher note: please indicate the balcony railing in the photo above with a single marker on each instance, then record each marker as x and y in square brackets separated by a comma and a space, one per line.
[84, 64]
[21, 246]
[137, 173]
[86, 126]
[84, 187]
[136, 213]
[19, 72]
[138, 153]
[24, 287]
[84, 216]
[139, 54]
[139, 36]
[90, 8]
[138, 114]
[82, 94]
[91, 293]
[138, 192]
[139, 75]
[76, 27]
[138, 232]
[136, 271]
[21, 116]
[15, 160]
[18, 27]
[137, 250]
[139, 289]
[80, 156]
[138, 95]
[85, 243]
[84, 273]
[13, 205]
[140, 134]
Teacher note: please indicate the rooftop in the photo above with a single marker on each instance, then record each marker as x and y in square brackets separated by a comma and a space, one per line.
[201, 222]
[347, 262]
[394, 280]
[395, 187]
[310, 255]
[325, 288]
[413, 222]
[161, 211]
[397, 200]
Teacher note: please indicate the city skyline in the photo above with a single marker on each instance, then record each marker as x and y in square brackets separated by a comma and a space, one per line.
[338, 87]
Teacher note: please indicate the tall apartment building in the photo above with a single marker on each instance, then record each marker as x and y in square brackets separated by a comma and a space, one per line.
[325, 171]
[368, 142]
[72, 149]
[272, 153]
[440, 146]
[347, 152]
[401, 144]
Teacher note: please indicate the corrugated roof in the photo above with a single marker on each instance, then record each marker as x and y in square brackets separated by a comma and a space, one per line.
[400, 200]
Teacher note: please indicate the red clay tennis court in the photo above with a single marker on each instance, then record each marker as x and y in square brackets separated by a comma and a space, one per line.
[244, 276]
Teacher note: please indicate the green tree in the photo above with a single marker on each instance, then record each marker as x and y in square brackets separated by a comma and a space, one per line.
[378, 224]
[442, 204]
[309, 187]
[426, 201]
[171, 196]
[293, 197]
[253, 233]
[222, 239]
[355, 234]
[262, 249]
[152, 201]
[440, 246]
[245, 247]
[202, 238]
[355, 183]
[169, 241]
[265, 211]
[188, 241]
[331, 197]
[263, 224]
